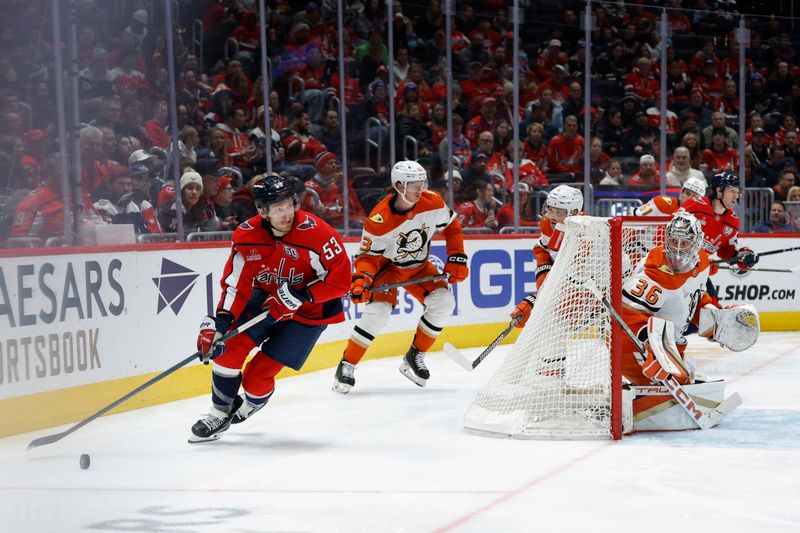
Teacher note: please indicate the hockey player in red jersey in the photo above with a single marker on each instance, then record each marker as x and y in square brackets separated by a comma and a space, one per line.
[395, 246]
[720, 223]
[294, 264]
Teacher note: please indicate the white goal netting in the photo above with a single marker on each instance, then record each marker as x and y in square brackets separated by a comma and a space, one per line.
[556, 382]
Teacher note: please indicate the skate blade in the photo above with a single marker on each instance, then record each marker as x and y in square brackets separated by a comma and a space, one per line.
[342, 388]
[405, 369]
[194, 439]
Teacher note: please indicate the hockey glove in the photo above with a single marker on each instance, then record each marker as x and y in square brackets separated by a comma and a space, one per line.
[747, 259]
[359, 287]
[651, 367]
[523, 311]
[284, 302]
[208, 343]
[456, 268]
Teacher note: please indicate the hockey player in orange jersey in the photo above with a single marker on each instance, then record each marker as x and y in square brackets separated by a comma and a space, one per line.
[664, 206]
[665, 295]
[563, 201]
[395, 246]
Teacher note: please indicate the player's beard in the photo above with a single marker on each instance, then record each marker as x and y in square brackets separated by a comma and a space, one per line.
[283, 224]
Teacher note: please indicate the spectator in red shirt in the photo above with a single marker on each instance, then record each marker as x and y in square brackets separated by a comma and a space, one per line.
[720, 156]
[301, 146]
[642, 82]
[709, 80]
[728, 102]
[505, 216]
[786, 181]
[480, 212]
[485, 121]
[154, 127]
[700, 58]
[647, 175]
[566, 151]
[556, 84]
[534, 148]
[548, 59]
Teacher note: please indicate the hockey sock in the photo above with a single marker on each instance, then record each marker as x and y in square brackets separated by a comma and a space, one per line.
[259, 378]
[426, 335]
[357, 346]
[224, 388]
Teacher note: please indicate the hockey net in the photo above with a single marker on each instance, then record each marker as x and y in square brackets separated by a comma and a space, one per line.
[560, 380]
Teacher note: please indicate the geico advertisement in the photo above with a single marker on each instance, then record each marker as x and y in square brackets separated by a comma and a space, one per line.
[68, 320]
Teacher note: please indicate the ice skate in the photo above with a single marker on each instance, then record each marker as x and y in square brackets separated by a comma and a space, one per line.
[246, 410]
[212, 426]
[344, 380]
[414, 368]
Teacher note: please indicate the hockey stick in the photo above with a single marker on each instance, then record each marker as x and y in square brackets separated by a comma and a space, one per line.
[49, 439]
[390, 286]
[468, 365]
[703, 421]
[757, 269]
[771, 252]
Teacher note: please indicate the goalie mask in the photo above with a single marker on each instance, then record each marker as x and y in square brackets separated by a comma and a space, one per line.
[684, 236]
[407, 173]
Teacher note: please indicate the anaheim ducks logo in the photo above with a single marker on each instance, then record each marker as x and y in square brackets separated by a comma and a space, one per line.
[412, 243]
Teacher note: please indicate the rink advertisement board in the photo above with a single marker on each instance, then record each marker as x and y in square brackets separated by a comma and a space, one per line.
[92, 324]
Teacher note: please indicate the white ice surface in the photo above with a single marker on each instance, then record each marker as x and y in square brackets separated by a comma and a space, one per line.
[393, 457]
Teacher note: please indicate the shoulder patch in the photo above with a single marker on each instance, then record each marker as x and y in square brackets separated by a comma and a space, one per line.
[308, 223]
[245, 225]
[668, 200]
[377, 218]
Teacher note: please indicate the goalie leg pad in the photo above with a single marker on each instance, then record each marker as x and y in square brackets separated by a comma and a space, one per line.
[655, 409]
[661, 339]
[735, 328]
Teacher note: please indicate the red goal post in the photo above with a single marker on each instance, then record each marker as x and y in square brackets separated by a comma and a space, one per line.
[562, 378]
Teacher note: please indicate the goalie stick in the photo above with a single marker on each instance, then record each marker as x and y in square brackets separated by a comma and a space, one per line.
[469, 365]
[49, 439]
[703, 421]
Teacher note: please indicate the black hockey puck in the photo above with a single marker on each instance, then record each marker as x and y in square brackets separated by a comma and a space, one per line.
[85, 461]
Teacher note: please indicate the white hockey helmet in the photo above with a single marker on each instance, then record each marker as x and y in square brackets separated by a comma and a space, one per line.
[406, 172]
[565, 197]
[696, 185]
[684, 236]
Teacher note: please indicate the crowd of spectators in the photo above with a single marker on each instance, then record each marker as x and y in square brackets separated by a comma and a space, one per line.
[125, 138]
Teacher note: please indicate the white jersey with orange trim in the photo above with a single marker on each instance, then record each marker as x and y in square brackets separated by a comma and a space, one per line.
[655, 290]
[660, 206]
[404, 239]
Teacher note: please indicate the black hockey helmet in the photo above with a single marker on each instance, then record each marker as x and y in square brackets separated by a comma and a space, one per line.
[722, 180]
[271, 189]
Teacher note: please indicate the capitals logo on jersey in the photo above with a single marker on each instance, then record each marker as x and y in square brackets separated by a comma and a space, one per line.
[307, 224]
[412, 243]
[278, 277]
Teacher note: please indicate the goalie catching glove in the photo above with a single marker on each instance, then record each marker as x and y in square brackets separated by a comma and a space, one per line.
[662, 358]
[522, 313]
[456, 268]
[735, 328]
[208, 343]
[360, 287]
